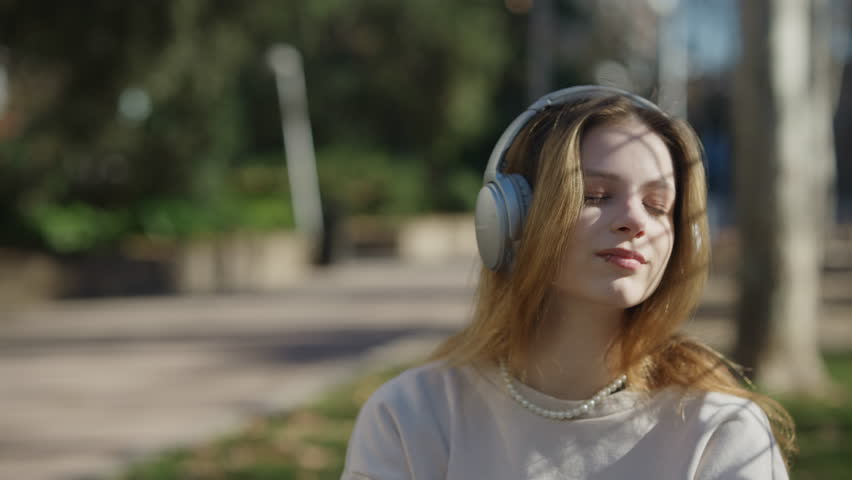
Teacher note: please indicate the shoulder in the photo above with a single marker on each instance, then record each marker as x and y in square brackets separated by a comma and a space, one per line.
[697, 412]
[426, 385]
[402, 429]
[422, 393]
[715, 408]
[734, 437]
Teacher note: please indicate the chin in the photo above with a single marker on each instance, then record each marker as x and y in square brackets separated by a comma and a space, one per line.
[623, 293]
[622, 296]
[621, 302]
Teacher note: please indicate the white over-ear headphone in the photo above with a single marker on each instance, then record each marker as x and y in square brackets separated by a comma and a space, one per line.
[503, 203]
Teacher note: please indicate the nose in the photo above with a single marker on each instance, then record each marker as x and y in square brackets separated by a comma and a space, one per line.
[631, 219]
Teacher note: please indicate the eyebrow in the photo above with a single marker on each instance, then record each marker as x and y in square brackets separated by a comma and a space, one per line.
[658, 183]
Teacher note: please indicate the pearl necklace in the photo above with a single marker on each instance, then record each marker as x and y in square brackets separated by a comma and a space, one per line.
[584, 407]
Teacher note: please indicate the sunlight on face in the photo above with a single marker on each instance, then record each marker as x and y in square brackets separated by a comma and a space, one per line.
[622, 243]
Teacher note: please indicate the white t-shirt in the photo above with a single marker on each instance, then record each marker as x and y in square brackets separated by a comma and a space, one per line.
[438, 422]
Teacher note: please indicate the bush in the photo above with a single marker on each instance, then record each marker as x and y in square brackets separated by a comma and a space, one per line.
[78, 226]
[372, 182]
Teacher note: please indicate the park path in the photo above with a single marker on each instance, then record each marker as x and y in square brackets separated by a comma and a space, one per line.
[90, 385]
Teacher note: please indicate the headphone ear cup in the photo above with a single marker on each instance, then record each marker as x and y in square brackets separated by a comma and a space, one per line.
[491, 226]
[501, 208]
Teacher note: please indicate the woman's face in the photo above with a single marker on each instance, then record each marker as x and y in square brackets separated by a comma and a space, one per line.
[624, 237]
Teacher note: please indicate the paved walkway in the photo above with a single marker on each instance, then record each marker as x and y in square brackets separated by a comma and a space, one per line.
[89, 385]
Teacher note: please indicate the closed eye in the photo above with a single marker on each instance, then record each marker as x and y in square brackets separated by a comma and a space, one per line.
[656, 210]
[600, 198]
[595, 199]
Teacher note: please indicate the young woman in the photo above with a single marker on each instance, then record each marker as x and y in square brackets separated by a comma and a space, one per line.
[593, 234]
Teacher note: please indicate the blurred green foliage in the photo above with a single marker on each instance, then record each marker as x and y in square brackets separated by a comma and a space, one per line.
[78, 227]
[144, 118]
[372, 181]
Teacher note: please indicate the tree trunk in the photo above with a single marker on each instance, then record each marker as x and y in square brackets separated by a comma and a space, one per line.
[783, 107]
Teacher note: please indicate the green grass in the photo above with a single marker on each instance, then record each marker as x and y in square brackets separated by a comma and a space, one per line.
[310, 443]
[305, 444]
[824, 428]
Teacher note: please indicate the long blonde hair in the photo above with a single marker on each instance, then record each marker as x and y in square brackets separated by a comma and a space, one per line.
[508, 306]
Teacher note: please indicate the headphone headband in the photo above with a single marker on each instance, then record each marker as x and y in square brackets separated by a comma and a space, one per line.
[559, 97]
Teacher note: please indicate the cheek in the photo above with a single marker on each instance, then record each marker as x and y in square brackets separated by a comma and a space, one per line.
[589, 216]
[588, 226]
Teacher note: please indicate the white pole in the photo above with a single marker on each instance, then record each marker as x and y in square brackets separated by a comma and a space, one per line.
[286, 62]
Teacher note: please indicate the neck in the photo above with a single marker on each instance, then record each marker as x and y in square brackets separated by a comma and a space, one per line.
[571, 359]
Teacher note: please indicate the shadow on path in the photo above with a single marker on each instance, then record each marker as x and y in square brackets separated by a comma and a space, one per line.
[296, 347]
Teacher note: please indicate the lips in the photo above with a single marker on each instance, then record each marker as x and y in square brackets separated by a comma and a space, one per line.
[621, 257]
